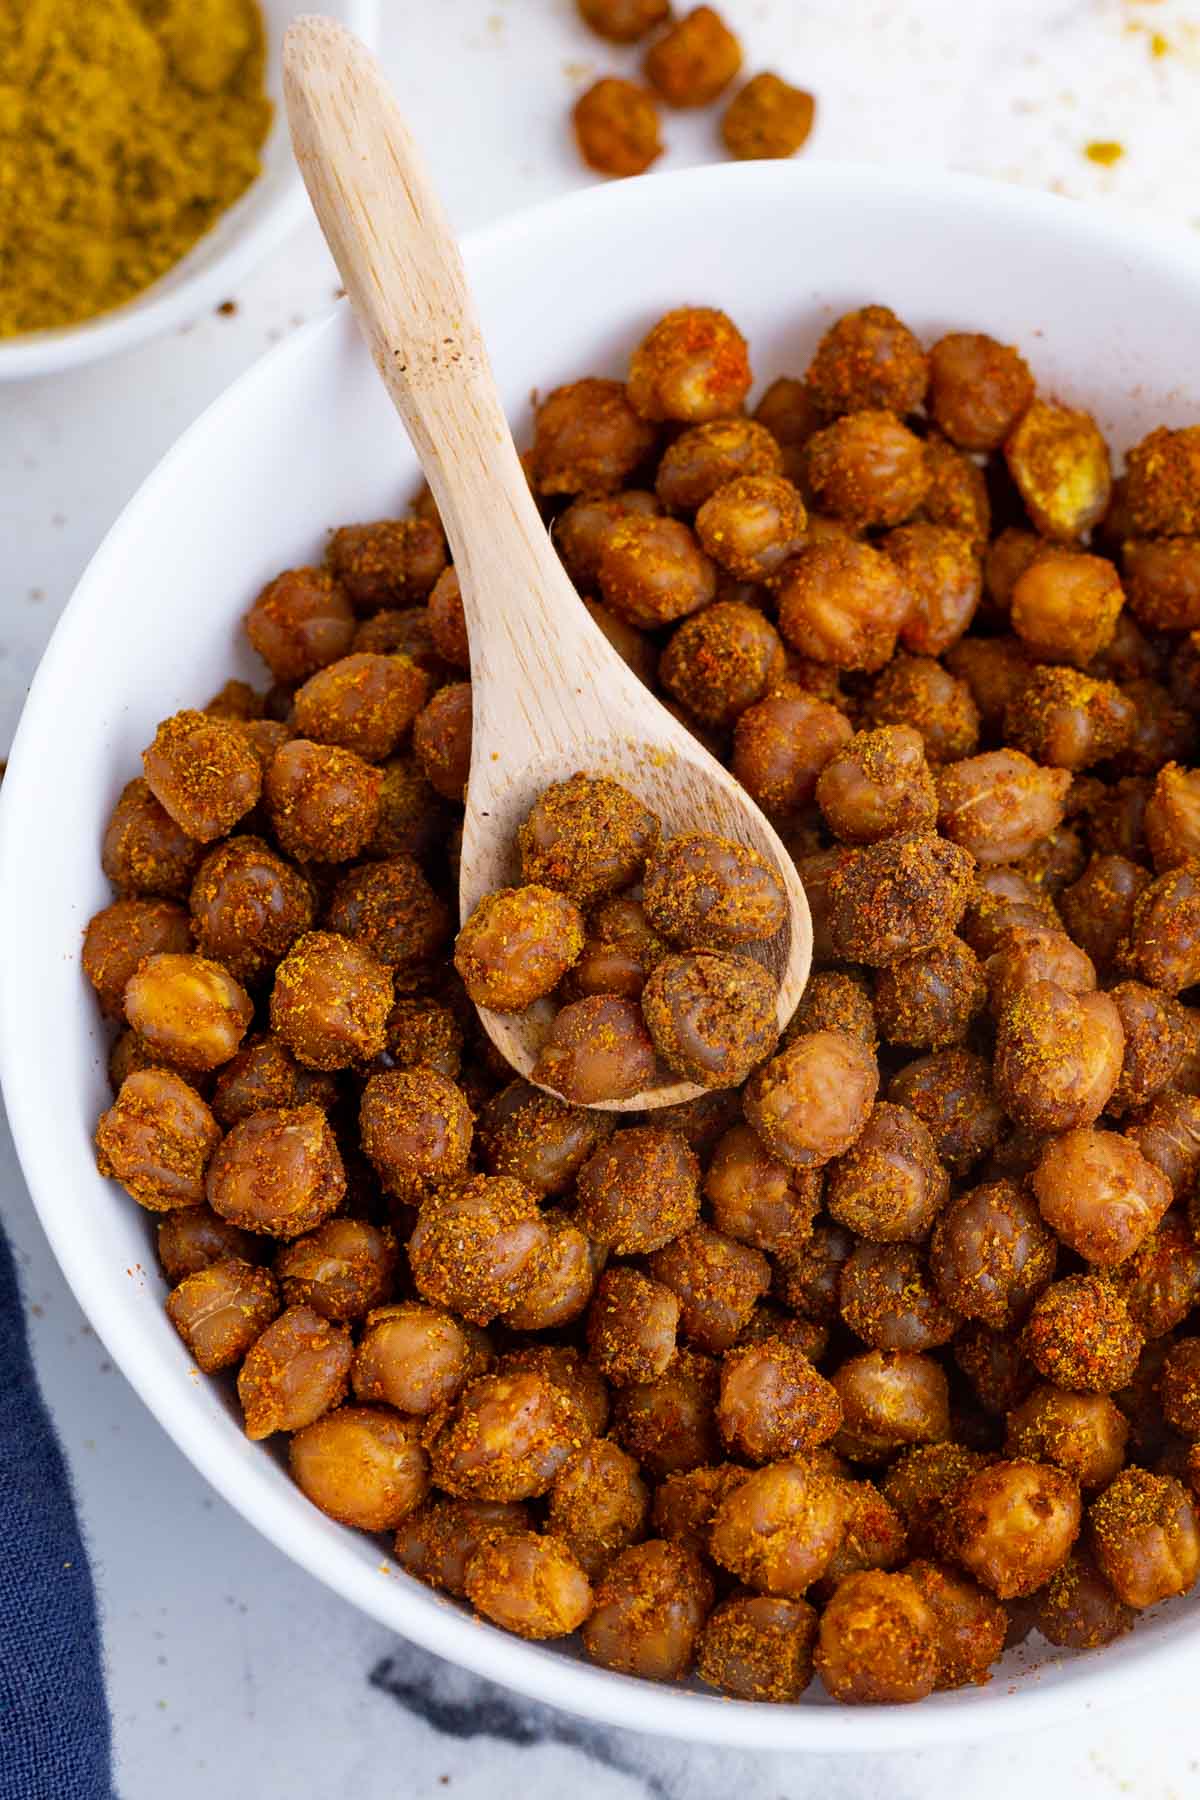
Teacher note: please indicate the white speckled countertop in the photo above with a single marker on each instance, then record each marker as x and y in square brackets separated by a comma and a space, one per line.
[232, 1673]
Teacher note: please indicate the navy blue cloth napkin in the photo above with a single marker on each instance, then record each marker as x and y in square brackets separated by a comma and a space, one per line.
[54, 1730]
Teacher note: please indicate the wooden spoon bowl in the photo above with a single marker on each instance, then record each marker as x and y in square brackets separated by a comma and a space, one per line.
[550, 696]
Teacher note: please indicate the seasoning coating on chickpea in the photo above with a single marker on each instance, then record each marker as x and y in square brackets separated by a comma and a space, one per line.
[889, 1186]
[416, 1358]
[941, 570]
[537, 1138]
[341, 1270]
[631, 1326]
[653, 571]
[918, 691]
[330, 1002]
[517, 945]
[842, 602]
[1080, 1336]
[507, 1438]
[867, 469]
[529, 1583]
[121, 936]
[1160, 1282]
[768, 118]
[781, 744]
[617, 130]
[778, 1530]
[322, 802]
[191, 1238]
[1162, 490]
[475, 1244]
[390, 910]
[248, 906]
[598, 1504]
[1162, 582]
[717, 1282]
[669, 1423]
[773, 1404]
[639, 1190]
[921, 1482]
[757, 1199]
[263, 1074]
[836, 1000]
[587, 437]
[878, 1640]
[758, 1647]
[1099, 1194]
[296, 1370]
[363, 703]
[1000, 804]
[623, 21]
[722, 660]
[188, 1008]
[928, 1002]
[1058, 1056]
[809, 1103]
[951, 1092]
[441, 737]
[1146, 1538]
[890, 1399]
[705, 457]
[416, 1128]
[220, 1310]
[144, 851]
[392, 562]
[1084, 1434]
[437, 1540]
[586, 838]
[978, 389]
[751, 525]
[711, 1015]
[868, 359]
[1069, 720]
[972, 1626]
[888, 1300]
[1098, 909]
[156, 1139]
[877, 785]
[1163, 948]
[1172, 820]
[1065, 606]
[1013, 1524]
[362, 1465]
[278, 1171]
[203, 772]
[300, 621]
[1078, 1610]
[1060, 464]
[991, 1254]
[693, 365]
[897, 897]
[695, 59]
[597, 1048]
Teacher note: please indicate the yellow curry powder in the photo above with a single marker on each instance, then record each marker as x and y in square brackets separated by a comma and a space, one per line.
[126, 128]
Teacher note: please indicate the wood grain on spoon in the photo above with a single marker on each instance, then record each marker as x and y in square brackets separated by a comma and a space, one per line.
[549, 694]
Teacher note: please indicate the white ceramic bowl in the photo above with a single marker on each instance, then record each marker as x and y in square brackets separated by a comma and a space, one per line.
[307, 440]
[271, 207]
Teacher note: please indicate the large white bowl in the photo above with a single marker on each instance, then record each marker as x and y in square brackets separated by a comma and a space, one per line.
[307, 440]
[256, 224]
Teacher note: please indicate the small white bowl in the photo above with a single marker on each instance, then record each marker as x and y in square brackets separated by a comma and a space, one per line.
[272, 206]
[307, 440]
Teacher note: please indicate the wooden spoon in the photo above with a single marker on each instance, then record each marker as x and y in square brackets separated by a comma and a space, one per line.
[550, 696]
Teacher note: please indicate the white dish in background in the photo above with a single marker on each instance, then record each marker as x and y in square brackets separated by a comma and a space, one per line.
[306, 440]
[272, 206]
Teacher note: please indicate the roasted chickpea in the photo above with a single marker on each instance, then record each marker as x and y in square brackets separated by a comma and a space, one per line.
[263, 1074]
[236, 700]
[1080, 1336]
[221, 1309]
[623, 21]
[278, 1172]
[889, 1185]
[416, 1128]
[423, 1034]
[157, 1139]
[773, 1404]
[706, 457]
[720, 661]
[809, 1103]
[888, 1300]
[878, 1640]
[695, 59]
[991, 1254]
[587, 838]
[438, 1539]
[598, 1504]
[668, 1423]
[407, 632]
[758, 1647]
[361, 1465]
[1078, 1610]
[653, 571]
[951, 1092]
[999, 1373]
[1160, 1282]
[842, 602]
[898, 897]
[1162, 492]
[1098, 909]
[717, 1282]
[442, 740]
[1060, 464]
[1156, 1041]
[1058, 1056]
[597, 1049]
[778, 1530]
[341, 1270]
[1163, 949]
[1013, 1524]
[1172, 820]
[757, 1199]
[918, 691]
[711, 1015]
[188, 1008]
[330, 1002]
[529, 1583]
[890, 1398]
[587, 437]
[1067, 720]
[1162, 733]
[507, 1438]
[416, 1358]
[836, 1000]
[390, 910]
[878, 785]
[978, 389]
[868, 359]
[143, 850]
[537, 1138]
[1180, 1388]
[920, 1484]
[389, 563]
[1145, 1536]
[867, 469]
[1099, 1194]
[248, 906]
[928, 1002]
[751, 525]
[995, 670]
[1082, 1433]
[203, 772]
[300, 621]
[566, 1369]
[581, 531]
[971, 1625]
[191, 1238]
[631, 1326]
[296, 1370]
[999, 805]
[1065, 606]
[693, 366]
[768, 118]
[517, 945]
[322, 802]
[121, 937]
[1162, 580]
[941, 570]
[957, 495]
[475, 1245]
[617, 130]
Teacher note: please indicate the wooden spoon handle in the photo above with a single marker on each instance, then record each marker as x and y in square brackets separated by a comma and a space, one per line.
[405, 280]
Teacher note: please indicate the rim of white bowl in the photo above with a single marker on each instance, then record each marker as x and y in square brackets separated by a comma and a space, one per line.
[149, 314]
[405, 1607]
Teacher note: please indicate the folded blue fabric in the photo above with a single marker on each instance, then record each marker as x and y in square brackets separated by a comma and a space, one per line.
[54, 1729]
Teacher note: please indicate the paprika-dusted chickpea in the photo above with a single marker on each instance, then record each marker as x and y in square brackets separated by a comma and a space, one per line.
[1057, 860]
[1060, 464]
[587, 838]
[921, 1482]
[389, 563]
[587, 437]
[143, 850]
[991, 1253]
[890, 1399]
[300, 621]
[898, 897]
[563, 1278]
[1156, 1041]
[1172, 820]
[807, 1282]
[874, 1537]
[423, 1034]
[631, 1326]
[711, 1015]
[782, 743]
[122, 936]
[685, 1504]
[1013, 1524]
[758, 1647]
[403, 631]
[1058, 1056]
[791, 415]
[598, 1504]
[1080, 1336]
[842, 602]
[416, 1128]
[1162, 490]
[619, 952]
[889, 1186]
[1000, 804]
[581, 531]
[941, 571]
[266, 737]
[129, 1053]
[330, 1002]
[437, 1540]
[767, 119]
[597, 1049]
[323, 803]
[650, 1603]
[1098, 909]
[389, 909]
[447, 621]
[888, 1300]
[669, 1423]
[809, 1103]
[1160, 1282]
[416, 1358]
[957, 495]
[653, 571]
[878, 1640]
[442, 740]
[995, 670]
[188, 1008]
[341, 1270]
[773, 1404]
[221, 1309]
[1065, 606]
[507, 1438]
[778, 1530]
[978, 389]
[1078, 1610]
[157, 1139]
[999, 1373]
[751, 525]
[263, 1074]
[1099, 1194]
[248, 906]
[623, 21]
[529, 1583]
[1180, 1388]
[836, 1000]
[361, 1465]
[867, 469]
[1068, 720]
[971, 1625]
[191, 1238]
[278, 1171]
[1145, 1536]
[928, 1002]
[877, 785]
[296, 1370]
[695, 59]
[517, 945]
[1163, 948]
[616, 128]
[705, 457]
[203, 772]
[566, 1368]
[693, 366]
[537, 1138]
[918, 691]
[951, 1093]
[1084, 1434]
[720, 661]
[475, 1245]
[815, 869]
[757, 1199]
[1162, 581]
[868, 359]
[717, 1282]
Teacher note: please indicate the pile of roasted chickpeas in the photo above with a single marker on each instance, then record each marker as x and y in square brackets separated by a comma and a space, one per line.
[865, 1367]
